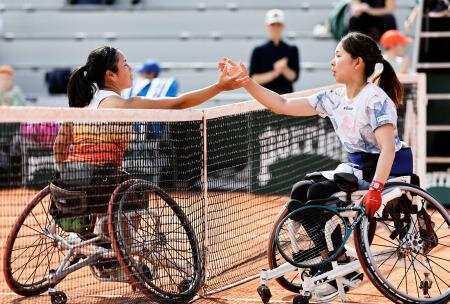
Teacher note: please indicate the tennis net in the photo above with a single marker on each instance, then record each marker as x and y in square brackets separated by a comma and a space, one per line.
[229, 168]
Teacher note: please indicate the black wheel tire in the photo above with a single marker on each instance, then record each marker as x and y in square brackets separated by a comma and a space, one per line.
[366, 265]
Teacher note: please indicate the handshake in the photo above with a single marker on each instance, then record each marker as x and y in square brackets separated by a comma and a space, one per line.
[233, 76]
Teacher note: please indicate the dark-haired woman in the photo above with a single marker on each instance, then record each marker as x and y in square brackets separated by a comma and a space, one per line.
[363, 115]
[89, 155]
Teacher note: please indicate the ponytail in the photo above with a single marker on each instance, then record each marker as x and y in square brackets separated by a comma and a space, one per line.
[361, 45]
[80, 88]
[388, 81]
[84, 81]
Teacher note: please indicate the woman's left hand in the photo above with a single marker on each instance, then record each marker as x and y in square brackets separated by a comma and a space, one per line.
[372, 200]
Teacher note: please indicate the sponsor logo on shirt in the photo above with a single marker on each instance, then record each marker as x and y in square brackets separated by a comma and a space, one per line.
[383, 118]
[348, 108]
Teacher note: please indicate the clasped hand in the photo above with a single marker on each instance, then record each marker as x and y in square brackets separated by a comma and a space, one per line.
[233, 75]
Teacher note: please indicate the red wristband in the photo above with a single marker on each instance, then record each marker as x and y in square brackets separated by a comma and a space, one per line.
[376, 185]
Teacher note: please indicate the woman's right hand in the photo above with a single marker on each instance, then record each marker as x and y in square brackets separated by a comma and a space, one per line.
[231, 67]
[233, 76]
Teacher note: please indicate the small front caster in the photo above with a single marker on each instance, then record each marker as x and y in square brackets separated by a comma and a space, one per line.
[57, 297]
[185, 284]
[133, 287]
[264, 293]
[425, 285]
[300, 299]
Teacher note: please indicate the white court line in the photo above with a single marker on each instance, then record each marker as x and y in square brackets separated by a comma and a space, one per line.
[89, 295]
[256, 300]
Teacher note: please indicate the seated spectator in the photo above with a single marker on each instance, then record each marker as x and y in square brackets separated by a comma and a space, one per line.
[10, 95]
[107, 2]
[149, 84]
[372, 17]
[438, 8]
[85, 2]
[394, 44]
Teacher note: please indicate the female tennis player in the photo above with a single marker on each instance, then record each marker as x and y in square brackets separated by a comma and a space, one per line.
[87, 155]
[363, 114]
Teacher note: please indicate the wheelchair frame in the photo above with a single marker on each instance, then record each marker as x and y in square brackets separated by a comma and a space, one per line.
[309, 284]
[79, 253]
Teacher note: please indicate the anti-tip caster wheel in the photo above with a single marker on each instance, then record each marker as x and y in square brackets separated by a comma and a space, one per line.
[57, 297]
[264, 293]
[300, 299]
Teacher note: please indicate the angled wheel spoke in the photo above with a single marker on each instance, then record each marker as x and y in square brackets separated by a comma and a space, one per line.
[415, 259]
[416, 275]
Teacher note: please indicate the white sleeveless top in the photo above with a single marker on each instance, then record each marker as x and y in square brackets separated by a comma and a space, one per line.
[99, 96]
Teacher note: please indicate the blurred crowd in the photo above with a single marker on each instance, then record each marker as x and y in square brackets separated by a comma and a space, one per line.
[274, 64]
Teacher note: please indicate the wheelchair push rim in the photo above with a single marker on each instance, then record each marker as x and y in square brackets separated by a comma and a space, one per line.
[323, 261]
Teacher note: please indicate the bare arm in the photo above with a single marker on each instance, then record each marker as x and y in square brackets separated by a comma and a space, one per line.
[185, 100]
[404, 65]
[63, 140]
[298, 106]
[385, 138]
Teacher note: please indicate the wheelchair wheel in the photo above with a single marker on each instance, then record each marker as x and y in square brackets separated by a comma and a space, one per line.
[155, 244]
[290, 281]
[311, 236]
[408, 258]
[30, 254]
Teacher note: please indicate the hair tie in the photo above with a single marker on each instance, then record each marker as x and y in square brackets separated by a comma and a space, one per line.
[85, 70]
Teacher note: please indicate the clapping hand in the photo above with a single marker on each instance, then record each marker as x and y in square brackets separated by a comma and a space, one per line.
[358, 9]
[280, 65]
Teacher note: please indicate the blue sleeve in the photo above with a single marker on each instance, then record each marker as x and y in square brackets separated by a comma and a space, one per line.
[324, 102]
[381, 112]
[173, 90]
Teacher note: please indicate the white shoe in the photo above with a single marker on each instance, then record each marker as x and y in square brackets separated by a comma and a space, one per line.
[327, 292]
[324, 293]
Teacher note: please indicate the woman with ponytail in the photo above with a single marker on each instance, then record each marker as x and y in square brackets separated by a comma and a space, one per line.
[86, 153]
[363, 114]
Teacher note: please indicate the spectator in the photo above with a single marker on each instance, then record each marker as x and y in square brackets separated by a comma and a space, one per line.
[10, 95]
[149, 84]
[394, 43]
[372, 17]
[275, 64]
[438, 8]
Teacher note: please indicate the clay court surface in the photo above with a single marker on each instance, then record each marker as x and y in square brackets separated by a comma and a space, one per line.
[82, 287]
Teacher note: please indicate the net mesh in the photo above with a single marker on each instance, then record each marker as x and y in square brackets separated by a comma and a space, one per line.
[252, 157]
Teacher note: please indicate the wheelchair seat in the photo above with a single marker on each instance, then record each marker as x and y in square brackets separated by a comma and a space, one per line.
[347, 182]
[68, 202]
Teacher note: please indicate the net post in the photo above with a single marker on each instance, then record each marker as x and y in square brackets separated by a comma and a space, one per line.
[204, 175]
[421, 128]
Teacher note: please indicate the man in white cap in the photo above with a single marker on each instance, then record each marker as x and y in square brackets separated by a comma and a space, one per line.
[275, 64]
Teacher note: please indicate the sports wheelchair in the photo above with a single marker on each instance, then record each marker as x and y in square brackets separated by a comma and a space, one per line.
[403, 249]
[143, 239]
